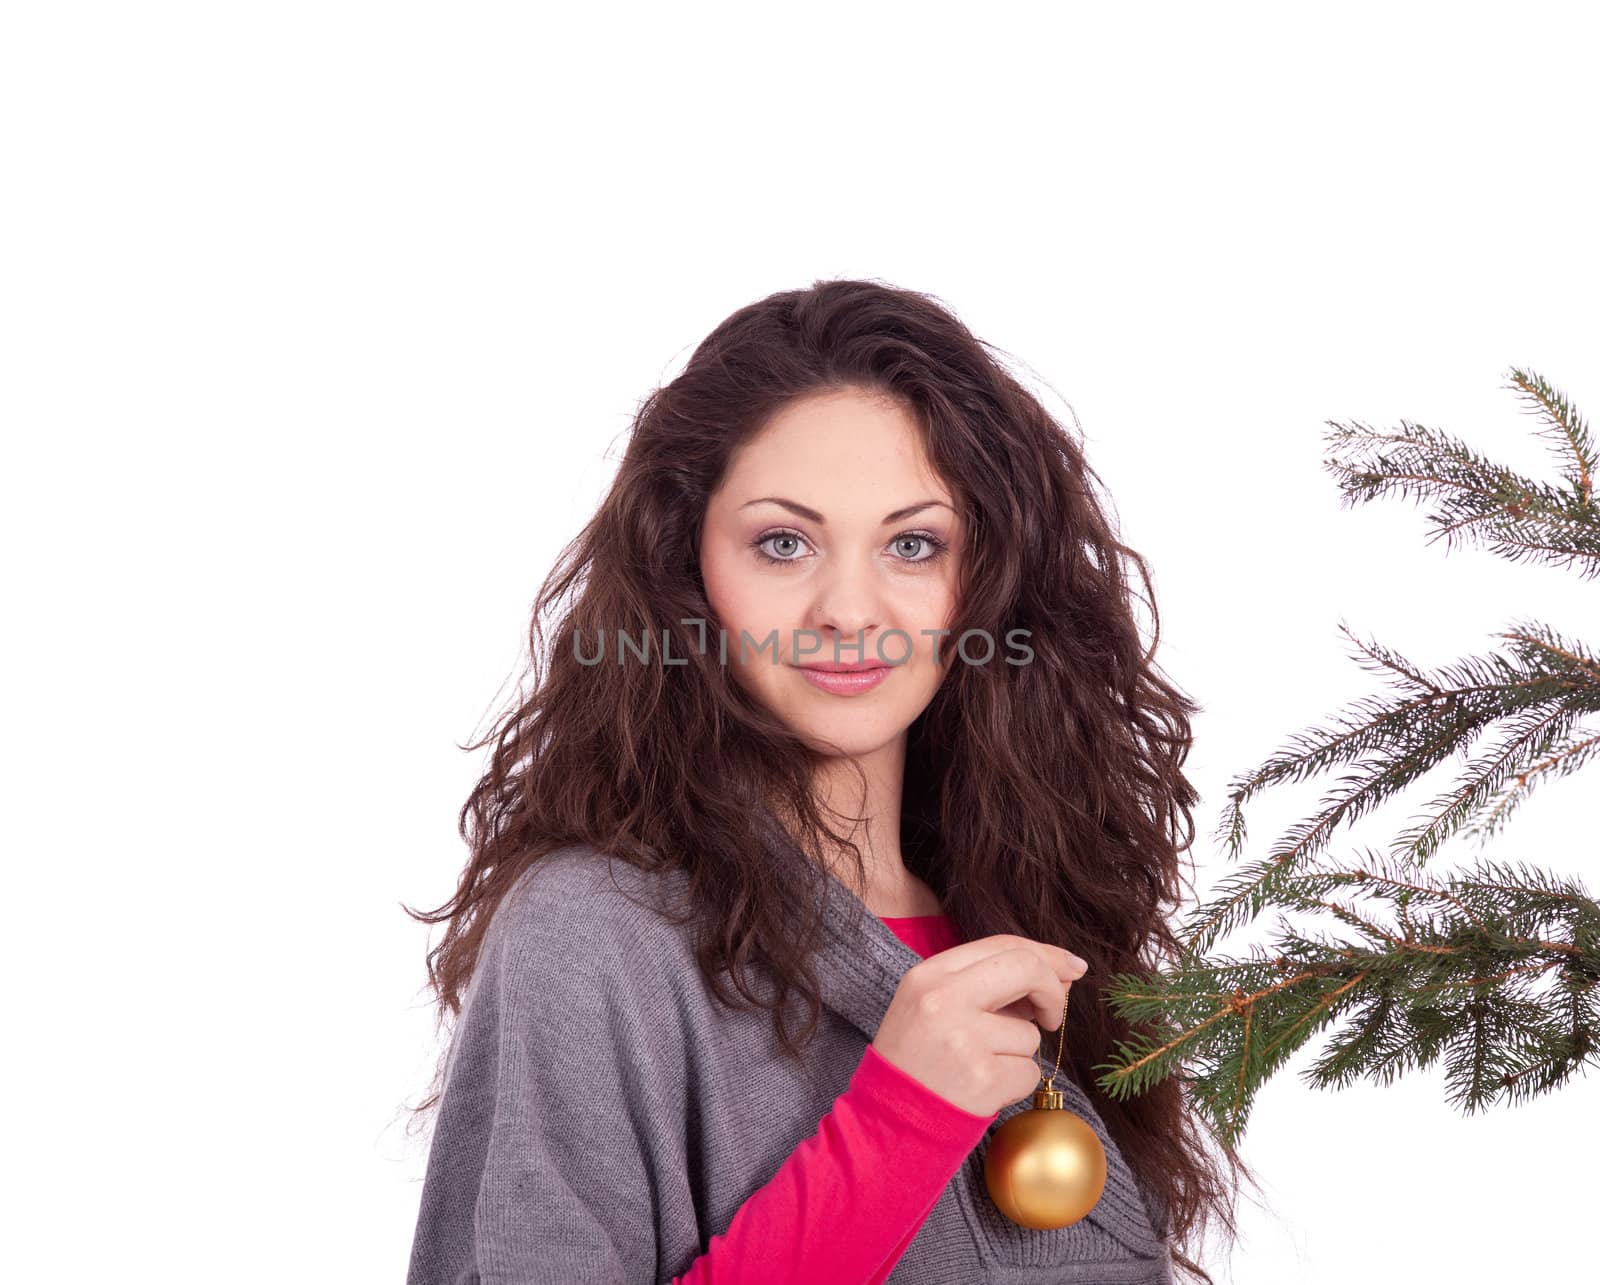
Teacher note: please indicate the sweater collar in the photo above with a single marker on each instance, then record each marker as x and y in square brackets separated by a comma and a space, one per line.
[859, 960]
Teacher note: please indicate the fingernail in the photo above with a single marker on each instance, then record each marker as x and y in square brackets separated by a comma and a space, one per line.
[1080, 962]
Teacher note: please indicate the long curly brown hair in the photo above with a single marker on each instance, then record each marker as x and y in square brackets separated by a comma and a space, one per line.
[1045, 799]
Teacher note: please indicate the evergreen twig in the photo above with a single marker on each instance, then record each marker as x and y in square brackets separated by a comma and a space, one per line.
[1497, 970]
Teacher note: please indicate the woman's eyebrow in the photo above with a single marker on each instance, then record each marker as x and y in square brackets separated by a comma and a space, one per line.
[811, 515]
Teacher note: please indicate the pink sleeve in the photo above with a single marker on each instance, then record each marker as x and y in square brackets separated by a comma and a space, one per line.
[849, 1200]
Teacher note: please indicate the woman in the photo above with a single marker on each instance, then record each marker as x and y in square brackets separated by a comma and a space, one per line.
[846, 724]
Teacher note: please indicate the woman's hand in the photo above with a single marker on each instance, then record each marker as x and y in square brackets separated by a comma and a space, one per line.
[961, 1022]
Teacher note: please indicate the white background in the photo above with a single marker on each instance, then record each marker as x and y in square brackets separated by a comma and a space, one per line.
[322, 328]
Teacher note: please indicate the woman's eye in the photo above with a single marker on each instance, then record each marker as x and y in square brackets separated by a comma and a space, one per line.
[933, 545]
[785, 546]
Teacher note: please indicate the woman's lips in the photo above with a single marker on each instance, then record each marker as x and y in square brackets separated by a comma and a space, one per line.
[846, 682]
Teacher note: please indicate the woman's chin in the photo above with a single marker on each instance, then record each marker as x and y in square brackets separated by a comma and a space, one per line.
[836, 741]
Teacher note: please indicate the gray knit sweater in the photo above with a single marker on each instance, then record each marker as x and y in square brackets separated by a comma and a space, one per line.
[604, 1115]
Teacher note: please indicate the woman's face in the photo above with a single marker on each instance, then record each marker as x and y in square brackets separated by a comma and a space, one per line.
[830, 520]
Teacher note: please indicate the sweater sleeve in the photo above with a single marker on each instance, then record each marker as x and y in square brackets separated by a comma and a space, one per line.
[561, 1096]
[848, 1201]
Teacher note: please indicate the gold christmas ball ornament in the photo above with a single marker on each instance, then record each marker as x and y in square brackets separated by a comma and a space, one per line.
[1045, 1167]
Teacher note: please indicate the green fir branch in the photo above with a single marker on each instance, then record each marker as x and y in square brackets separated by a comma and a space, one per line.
[1491, 786]
[1564, 427]
[1493, 972]
[1457, 986]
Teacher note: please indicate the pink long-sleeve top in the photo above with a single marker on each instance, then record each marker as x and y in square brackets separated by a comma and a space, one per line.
[848, 1201]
